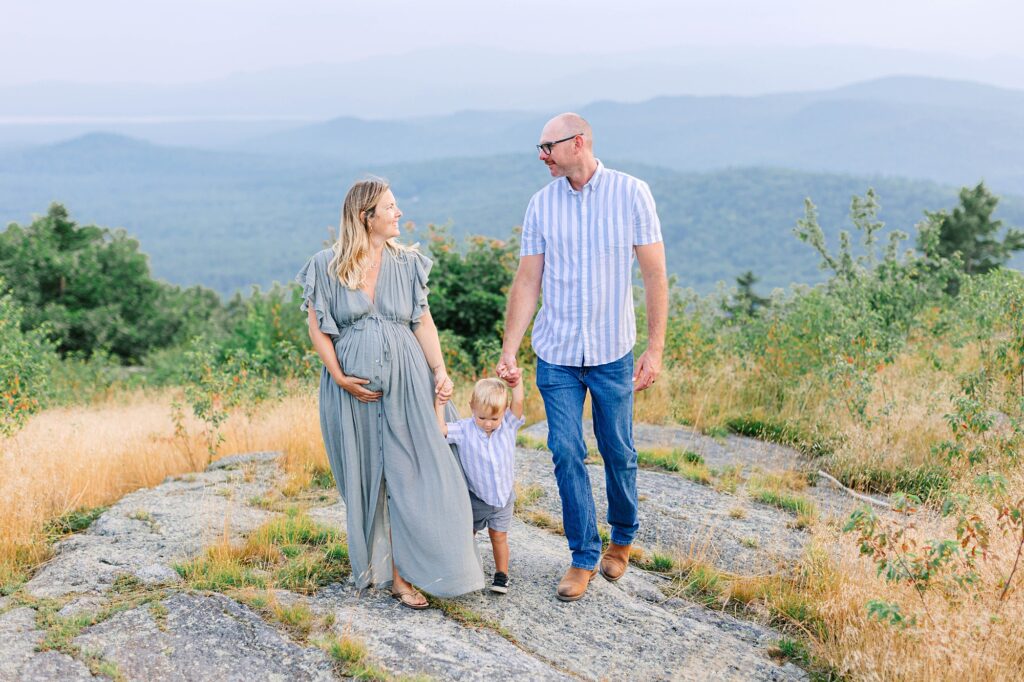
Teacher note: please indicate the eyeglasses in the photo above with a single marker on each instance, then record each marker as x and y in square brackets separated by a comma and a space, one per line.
[546, 147]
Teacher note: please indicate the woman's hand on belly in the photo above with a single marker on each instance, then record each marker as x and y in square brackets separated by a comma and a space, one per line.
[356, 387]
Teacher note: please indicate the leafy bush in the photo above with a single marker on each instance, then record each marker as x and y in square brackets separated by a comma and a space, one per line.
[25, 359]
[75, 379]
[218, 380]
[270, 328]
[266, 328]
[467, 295]
[93, 288]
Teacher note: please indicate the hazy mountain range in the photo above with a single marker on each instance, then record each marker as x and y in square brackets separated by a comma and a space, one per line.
[228, 219]
[947, 131]
[445, 80]
[245, 203]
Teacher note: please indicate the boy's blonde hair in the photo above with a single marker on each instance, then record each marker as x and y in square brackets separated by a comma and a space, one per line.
[489, 394]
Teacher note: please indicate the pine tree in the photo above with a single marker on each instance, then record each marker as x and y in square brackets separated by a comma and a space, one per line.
[746, 301]
[971, 232]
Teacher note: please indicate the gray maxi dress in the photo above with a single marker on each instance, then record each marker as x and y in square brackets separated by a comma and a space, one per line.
[392, 466]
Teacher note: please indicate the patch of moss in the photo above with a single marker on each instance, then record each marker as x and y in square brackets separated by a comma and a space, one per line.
[72, 522]
[468, 617]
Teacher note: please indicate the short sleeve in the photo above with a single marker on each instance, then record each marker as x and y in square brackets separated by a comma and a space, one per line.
[532, 239]
[421, 266]
[646, 225]
[512, 421]
[316, 292]
[456, 430]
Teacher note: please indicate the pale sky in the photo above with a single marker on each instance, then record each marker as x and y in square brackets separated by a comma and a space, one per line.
[194, 40]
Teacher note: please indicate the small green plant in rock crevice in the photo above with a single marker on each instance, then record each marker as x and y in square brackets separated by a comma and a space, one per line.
[687, 464]
[468, 617]
[290, 552]
[126, 593]
[352, 658]
[73, 522]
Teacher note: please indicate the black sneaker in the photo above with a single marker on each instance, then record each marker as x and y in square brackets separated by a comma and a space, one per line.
[500, 584]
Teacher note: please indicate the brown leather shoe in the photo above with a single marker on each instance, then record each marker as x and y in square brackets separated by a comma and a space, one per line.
[615, 561]
[574, 583]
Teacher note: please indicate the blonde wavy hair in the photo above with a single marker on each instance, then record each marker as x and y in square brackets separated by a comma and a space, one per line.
[351, 258]
[489, 396]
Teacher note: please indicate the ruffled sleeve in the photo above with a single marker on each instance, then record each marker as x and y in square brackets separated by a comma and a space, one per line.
[421, 271]
[316, 291]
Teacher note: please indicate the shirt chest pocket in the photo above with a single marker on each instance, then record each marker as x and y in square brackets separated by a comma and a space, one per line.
[612, 239]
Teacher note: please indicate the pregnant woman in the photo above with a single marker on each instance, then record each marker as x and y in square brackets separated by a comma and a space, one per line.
[409, 517]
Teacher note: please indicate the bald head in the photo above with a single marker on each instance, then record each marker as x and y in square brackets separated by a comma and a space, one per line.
[568, 124]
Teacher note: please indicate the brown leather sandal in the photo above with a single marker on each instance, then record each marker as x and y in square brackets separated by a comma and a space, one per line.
[408, 599]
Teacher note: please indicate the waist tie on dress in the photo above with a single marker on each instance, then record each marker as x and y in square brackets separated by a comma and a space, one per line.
[362, 323]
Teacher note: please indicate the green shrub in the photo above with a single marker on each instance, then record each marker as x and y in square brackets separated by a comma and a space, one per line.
[270, 329]
[79, 380]
[468, 292]
[93, 289]
[26, 359]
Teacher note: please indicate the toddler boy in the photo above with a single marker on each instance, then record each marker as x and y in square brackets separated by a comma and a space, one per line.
[487, 443]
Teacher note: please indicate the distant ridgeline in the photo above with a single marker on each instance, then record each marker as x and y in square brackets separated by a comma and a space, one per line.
[230, 220]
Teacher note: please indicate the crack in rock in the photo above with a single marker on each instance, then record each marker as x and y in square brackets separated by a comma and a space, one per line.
[202, 637]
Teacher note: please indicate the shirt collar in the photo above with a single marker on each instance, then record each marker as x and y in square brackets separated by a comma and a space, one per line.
[595, 179]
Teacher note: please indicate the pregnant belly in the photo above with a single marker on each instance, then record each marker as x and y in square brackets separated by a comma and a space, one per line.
[362, 355]
[378, 353]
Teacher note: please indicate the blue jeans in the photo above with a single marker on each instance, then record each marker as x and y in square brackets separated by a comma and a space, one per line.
[611, 393]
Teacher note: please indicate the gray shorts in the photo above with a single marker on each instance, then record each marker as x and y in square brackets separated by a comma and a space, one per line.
[495, 518]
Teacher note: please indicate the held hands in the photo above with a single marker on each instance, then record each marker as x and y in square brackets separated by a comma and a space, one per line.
[514, 377]
[508, 370]
[443, 385]
[354, 386]
[648, 367]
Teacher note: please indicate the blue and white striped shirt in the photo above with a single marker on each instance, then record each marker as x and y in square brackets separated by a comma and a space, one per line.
[488, 460]
[587, 239]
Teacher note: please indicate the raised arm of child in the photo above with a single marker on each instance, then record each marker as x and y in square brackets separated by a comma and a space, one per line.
[518, 394]
[439, 411]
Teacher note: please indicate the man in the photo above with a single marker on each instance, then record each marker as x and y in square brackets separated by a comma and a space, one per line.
[579, 237]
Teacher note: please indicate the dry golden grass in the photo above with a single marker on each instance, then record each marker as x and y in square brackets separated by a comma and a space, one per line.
[969, 636]
[69, 458]
[291, 426]
[905, 408]
[704, 399]
[964, 638]
[786, 479]
[655, 405]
